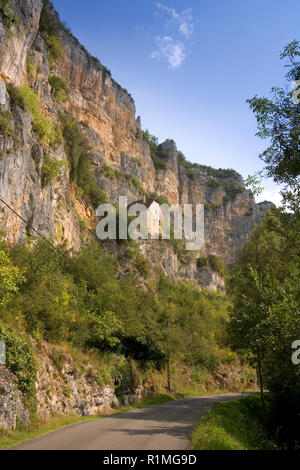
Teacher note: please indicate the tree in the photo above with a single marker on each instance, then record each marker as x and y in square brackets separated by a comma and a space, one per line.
[278, 119]
[265, 318]
[10, 277]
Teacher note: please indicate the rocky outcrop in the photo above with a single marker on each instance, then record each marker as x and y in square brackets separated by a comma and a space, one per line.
[122, 162]
[65, 385]
[11, 401]
[17, 40]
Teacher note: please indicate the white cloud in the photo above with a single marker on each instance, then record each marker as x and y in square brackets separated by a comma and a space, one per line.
[169, 49]
[184, 19]
[173, 48]
[270, 195]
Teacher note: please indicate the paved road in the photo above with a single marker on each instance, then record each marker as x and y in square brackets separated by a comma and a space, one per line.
[160, 427]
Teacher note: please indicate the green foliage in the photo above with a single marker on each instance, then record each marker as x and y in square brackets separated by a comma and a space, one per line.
[48, 132]
[9, 17]
[253, 183]
[265, 315]
[51, 169]
[6, 126]
[278, 121]
[14, 94]
[95, 194]
[77, 148]
[178, 247]
[67, 391]
[214, 262]
[141, 263]
[10, 277]
[55, 49]
[232, 190]
[5, 123]
[158, 156]
[110, 172]
[136, 183]
[83, 300]
[19, 360]
[192, 169]
[232, 426]
[51, 25]
[49, 21]
[31, 68]
[60, 87]
[159, 199]
[79, 155]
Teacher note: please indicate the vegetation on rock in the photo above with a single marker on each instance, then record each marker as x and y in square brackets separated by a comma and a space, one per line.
[51, 169]
[79, 155]
[60, 87]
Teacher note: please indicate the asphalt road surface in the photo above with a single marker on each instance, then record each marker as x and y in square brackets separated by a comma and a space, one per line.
[160, 427]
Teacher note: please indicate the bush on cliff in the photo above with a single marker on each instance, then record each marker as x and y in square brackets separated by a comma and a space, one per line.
[48, 132]
[51, 169]
[19, 360]
[60, 87]
[79, 155]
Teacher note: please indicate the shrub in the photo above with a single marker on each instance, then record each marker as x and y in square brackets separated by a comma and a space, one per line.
[159, 199]
[55, 49]
[60, 87]
[19, 360]
[208, 170]
[51, 169]
[232, 190]
[10, 277]
[9, 17]
[96, 195]
[79, 155]
[67, 391]
[5, 124]
[109, 171]
[157, 155]
[51, 25]
[31, 68]
[14, 94]
[214, 262]
[48, 132]
[49, 21]
[141, 263]
[136, 183]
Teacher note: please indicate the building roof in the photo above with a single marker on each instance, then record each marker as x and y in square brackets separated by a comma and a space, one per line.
[148, 202]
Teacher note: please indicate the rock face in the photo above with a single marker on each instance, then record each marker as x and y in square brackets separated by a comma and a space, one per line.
[67, 386]
[11, 401]
[107, 115]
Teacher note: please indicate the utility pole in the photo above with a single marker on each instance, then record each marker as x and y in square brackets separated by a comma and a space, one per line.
[262, 396]
[168, 360]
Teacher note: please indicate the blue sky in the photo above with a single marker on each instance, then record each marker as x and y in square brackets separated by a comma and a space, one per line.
[190, 66]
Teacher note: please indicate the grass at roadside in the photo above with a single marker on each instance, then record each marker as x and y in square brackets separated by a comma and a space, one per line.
[232, 426]
[39, 427]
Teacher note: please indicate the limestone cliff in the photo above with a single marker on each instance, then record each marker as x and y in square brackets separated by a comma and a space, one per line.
[122, 162]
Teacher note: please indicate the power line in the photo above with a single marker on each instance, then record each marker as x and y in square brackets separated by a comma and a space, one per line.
[44, 238]
[33, 229]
